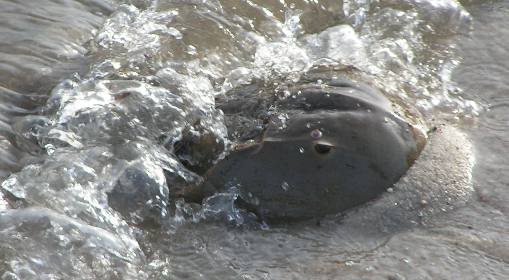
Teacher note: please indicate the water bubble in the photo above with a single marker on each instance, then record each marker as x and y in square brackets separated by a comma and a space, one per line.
[50, 149]
[369, 268]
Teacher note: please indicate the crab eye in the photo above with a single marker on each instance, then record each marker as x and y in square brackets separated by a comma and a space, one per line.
[322, 149]
[316, 134]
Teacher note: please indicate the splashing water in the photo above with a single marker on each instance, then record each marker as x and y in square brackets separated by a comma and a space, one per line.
[98, 155]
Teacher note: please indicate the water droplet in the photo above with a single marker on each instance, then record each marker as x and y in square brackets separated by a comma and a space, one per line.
[390, 190]
[301, 150]
[285, 186]
[316, 134]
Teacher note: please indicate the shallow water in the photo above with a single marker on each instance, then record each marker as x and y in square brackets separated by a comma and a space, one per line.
[140, 74]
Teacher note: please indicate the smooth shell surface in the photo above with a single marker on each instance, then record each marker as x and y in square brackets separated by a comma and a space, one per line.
[362, 149]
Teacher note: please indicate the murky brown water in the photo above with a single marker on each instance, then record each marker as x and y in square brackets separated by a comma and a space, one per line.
[64, 144]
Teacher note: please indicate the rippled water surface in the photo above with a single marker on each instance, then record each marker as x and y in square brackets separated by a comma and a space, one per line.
[97, 97]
